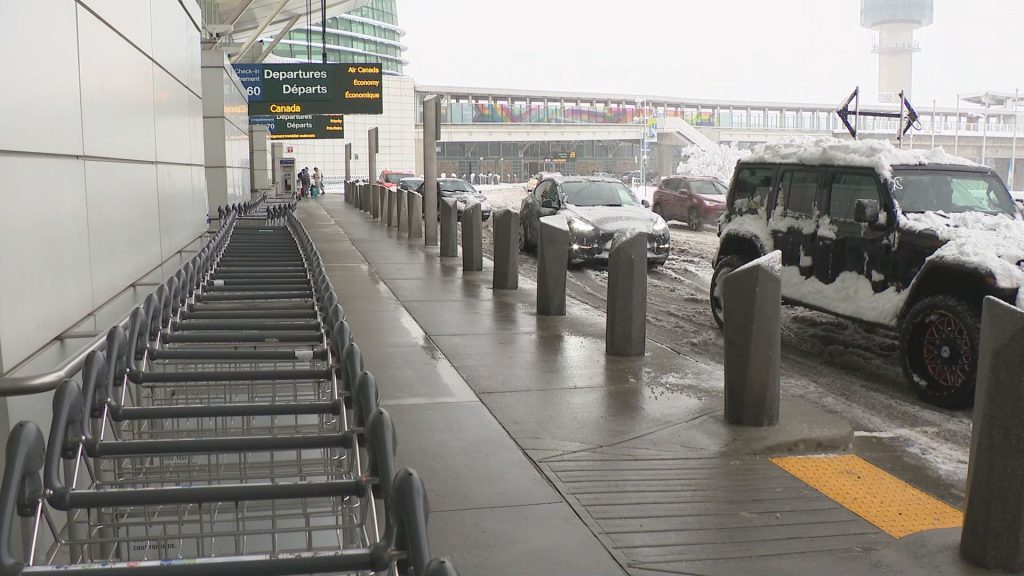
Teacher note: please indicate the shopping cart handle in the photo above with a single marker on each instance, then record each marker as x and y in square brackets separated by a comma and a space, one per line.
[21, 488]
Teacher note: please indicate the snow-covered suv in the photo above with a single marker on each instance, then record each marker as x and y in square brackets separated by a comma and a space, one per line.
[908, 239]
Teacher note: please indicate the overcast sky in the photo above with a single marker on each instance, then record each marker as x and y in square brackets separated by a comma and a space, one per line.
[793, 50]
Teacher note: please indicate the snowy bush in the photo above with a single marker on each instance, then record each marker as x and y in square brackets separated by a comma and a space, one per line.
[718, 162]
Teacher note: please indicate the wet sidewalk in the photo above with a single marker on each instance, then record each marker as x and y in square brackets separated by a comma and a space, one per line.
[537, 449]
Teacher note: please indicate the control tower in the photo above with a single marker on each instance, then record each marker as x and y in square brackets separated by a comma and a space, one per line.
[895, 22]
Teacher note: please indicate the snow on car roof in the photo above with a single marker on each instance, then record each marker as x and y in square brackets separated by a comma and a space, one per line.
[828, 151]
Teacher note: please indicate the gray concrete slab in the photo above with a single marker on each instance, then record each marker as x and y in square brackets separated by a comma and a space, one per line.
[489, 542]
[415, 375]
[481, 466]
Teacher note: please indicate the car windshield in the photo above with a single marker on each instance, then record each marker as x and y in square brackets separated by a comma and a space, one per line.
[598, 194]
[708, 187]
[412, 183]
[456, 187]
[395, 177]
[950, 191]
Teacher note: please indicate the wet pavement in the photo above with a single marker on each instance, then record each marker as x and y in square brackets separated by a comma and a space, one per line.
[542, 455]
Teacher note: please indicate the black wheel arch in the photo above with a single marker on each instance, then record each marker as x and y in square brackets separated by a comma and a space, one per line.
[737, 245]
[942, 279]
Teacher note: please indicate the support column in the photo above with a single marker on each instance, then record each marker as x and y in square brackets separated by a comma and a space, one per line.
[752, 301]
[552, 265]
[993, 532]
[506, 250]
[431, 133]
[348, 162]
[626, 325]
[372, 148]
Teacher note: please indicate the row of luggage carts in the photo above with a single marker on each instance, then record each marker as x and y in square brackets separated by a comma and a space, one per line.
[228, 427]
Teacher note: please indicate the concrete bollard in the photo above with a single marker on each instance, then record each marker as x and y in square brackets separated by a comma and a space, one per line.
[472, 238]
[449, 215]
[625, 331]
[403, 206]
[506, 250]
[414, 223]
[993, 531]
[367, 197]
[392, 206]
[382, 203]
[357, 190]
[752, 300]
[374, 201]
[552, 265]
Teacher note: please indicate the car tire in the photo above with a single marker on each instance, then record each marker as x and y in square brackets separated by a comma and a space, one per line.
[693, 219]
[939, 345]
[524, 243]
[724, 267]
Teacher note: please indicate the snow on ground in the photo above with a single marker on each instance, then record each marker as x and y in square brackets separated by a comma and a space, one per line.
[829, 151]
[503, 195]
[644, 192]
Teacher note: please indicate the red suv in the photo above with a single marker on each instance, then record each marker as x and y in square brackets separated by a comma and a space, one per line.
[691, 199]
[391, 178]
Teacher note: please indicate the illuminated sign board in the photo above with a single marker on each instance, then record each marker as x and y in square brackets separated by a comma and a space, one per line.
[302, 126]
[289, 89]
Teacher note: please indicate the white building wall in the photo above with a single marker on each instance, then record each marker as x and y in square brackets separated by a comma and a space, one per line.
[397, 129]
[226, 132]
[100, 155]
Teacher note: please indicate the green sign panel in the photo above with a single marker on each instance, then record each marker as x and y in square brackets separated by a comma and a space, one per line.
[302, 126]
[289, 89]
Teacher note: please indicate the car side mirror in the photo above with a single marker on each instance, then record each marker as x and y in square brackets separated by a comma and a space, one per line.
[866, 211]
[548, 203]
[645, 203]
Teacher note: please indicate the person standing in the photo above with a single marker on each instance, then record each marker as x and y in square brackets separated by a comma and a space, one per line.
[318, 180]
[304, 179]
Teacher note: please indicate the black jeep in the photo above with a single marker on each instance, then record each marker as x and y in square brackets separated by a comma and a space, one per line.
[912, 241]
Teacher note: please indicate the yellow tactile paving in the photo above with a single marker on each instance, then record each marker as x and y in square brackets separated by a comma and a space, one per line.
[873, 494]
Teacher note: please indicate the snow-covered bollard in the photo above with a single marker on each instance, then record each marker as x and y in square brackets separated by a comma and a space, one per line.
[552, 265]
[506, 250]
[414, 222]
[392, 208]
[993, 532]
[472, 238]
[626, 325]
[752, 300]
[449, 215]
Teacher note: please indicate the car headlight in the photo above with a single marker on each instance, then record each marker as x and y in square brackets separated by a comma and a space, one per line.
[660, 225]
[579, 226]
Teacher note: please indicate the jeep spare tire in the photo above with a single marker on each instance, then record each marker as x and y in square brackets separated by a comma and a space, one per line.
[939, 341]
[725, 266]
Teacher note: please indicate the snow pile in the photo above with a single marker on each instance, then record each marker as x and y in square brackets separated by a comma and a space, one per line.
[753, 226]
[829, 151]
[718, 162]
[851, 294]
[990, 244]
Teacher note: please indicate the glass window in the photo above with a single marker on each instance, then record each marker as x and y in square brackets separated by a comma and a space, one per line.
[671, 184]
[708, 188]
[598, 194]
[950, 191]
[846, 190]
[799, 190]
[751, 189]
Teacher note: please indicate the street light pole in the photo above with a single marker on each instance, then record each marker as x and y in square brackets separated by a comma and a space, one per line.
[956, 133]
